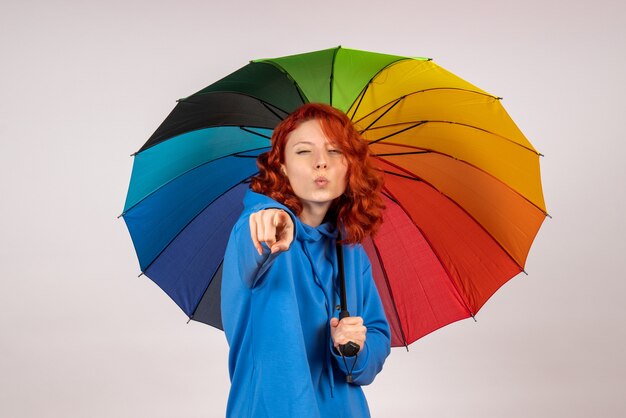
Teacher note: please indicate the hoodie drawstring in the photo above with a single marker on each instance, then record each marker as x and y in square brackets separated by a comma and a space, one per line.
[329, 311]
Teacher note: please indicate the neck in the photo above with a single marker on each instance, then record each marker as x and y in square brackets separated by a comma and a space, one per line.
[313, 213]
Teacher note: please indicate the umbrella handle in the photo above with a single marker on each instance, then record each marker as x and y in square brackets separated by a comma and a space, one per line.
[349, 349]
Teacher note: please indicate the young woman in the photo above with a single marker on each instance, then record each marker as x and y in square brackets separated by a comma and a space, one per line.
[279, 292]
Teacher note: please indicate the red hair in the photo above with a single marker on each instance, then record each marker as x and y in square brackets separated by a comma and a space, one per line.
[359, 208]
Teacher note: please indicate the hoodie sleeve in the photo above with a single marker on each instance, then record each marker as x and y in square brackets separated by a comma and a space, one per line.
[377, 347]
[249, 265]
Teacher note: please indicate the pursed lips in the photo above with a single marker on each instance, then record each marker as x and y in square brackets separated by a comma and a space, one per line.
[321, 180]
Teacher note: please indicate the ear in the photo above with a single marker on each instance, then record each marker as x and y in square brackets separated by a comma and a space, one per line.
[283, 170]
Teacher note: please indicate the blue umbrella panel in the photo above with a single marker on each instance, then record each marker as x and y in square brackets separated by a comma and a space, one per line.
[185, 195]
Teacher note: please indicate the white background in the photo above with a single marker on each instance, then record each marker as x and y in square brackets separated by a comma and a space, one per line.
[83, 84]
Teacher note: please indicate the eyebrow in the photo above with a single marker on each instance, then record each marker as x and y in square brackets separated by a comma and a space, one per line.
[303, 142]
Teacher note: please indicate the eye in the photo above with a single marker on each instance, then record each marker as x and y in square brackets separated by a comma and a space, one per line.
[302, 151]
[334, 151]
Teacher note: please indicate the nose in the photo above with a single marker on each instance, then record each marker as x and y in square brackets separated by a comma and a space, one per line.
[321, 161]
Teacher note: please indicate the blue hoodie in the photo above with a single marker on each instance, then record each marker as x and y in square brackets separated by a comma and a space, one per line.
[276, 310]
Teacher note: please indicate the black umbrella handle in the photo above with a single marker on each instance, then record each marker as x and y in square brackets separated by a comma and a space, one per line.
[350, 349]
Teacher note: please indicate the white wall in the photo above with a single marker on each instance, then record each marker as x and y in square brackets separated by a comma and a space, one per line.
[83, 84]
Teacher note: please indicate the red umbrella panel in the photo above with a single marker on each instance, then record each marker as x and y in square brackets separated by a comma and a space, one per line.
[447, 243]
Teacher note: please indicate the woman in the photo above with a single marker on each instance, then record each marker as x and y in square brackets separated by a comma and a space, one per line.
[279, 292]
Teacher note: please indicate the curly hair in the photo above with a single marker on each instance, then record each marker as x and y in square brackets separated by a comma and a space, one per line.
[359, 209]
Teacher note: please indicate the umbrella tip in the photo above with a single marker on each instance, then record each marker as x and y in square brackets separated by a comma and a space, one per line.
[190, 318]
[473, 317]
[140, 274]
[548, 215]
[524, 271]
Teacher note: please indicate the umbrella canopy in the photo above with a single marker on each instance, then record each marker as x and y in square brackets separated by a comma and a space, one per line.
[462, 183]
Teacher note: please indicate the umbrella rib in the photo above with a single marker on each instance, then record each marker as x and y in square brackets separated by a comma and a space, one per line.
[267, 106]
[390, 195]
[238, 155]
[243, 128]
[424, 91]
[235, 154]
[383, 114]
[430, 151]
[423, 122]
[290, 78]
[264, 103]
[332, 75]
[402, 153]
[362, 93]
[361, 96]
[395, 133]
[413, 176]
[204, 292]
[275, 65]
[393, 301]
[191, 220]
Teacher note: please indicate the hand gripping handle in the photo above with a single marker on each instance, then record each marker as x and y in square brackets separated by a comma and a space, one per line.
[350, 349]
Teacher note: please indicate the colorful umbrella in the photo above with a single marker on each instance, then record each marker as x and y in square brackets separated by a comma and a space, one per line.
[462, 184]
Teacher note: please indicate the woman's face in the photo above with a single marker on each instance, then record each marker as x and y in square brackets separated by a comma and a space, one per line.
[316, 169]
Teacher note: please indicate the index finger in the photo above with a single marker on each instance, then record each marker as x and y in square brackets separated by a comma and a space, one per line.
[279, 218]
[254, 233]
[352, 320]
[284, 231]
